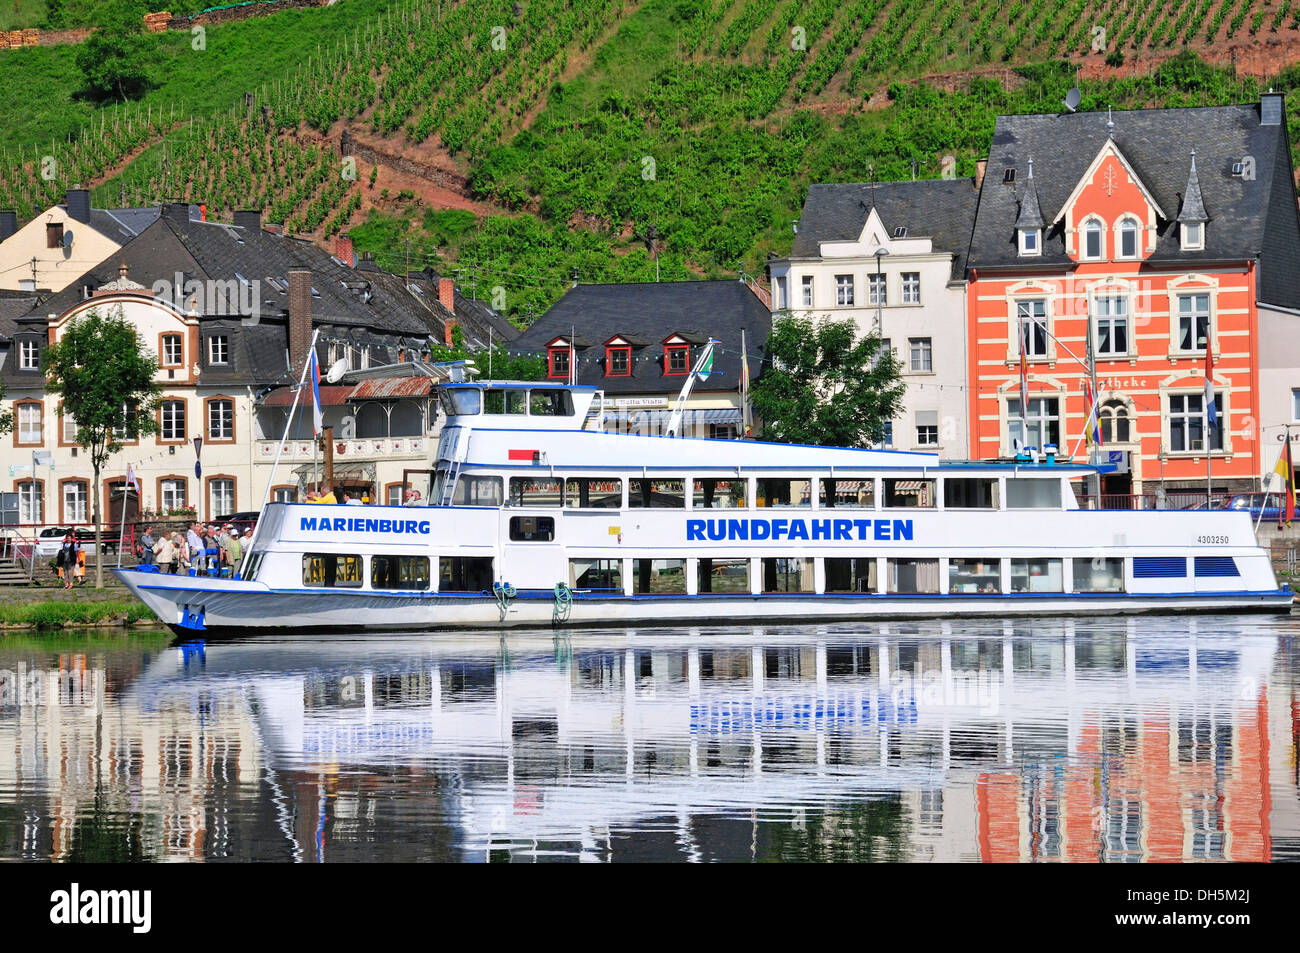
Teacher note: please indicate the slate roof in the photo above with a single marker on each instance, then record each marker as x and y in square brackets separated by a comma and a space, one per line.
[474, 317]
[1248, 218]
[347, 305]
[651, 312]
[13, 304]
[940, 209]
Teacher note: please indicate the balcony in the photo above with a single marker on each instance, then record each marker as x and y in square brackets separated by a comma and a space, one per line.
[360, 449]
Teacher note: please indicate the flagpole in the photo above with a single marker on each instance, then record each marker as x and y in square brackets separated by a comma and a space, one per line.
[297, 394]
[121, 533]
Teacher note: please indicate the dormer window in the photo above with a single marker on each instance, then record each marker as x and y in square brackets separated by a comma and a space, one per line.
[29, 356]
[618, 361]
[1030, 242]
[1092, 243]
[1193, 236]
[1128, 238]
[557, 361]
[677, 359]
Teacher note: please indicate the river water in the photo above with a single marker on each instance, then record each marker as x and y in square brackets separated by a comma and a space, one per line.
[1102, 739]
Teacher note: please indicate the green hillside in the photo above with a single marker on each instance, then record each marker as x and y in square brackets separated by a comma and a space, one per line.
[579, 124]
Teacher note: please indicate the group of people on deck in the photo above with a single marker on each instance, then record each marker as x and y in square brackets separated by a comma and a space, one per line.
[200, 548]
[325, 494]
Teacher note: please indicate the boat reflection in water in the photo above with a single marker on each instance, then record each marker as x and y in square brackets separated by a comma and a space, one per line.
[1110, 740]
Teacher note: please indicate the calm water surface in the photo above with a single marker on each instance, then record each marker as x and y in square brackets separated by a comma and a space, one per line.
[1046, 740]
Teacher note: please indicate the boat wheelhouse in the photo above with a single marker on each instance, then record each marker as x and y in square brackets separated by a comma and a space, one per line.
[539, 516]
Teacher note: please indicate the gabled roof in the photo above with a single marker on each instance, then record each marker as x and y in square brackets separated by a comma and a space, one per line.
[940, 209]
[1252, 218]
[1108, 148]
[648, 313]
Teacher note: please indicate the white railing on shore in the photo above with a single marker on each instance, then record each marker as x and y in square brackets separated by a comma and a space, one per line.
[351, 448]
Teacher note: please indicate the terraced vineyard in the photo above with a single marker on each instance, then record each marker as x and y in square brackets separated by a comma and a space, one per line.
[587, 121]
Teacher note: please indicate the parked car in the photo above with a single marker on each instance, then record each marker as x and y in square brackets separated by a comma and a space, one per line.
[1270, 504]
[49, 541]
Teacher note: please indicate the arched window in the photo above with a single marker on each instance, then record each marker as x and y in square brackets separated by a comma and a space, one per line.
[1114, 422]
[1128, 238]
[1092, 244]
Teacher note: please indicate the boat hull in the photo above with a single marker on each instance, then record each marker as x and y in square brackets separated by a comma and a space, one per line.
[190, 605]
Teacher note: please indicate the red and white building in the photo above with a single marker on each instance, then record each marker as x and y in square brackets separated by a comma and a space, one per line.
[1152, 234]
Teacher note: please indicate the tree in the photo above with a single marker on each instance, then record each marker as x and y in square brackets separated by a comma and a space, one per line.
[105, 376]
[113, 57]
[823, 385]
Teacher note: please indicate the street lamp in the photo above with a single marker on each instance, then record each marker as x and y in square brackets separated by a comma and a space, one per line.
[880, 289]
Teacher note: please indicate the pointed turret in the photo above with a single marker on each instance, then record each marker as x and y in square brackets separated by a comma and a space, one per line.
[1193, 210]
[1031, 216]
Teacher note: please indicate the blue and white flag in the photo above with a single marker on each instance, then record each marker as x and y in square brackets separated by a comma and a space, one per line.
[313, 375]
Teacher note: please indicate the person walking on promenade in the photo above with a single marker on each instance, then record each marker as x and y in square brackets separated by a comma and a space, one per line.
[66, 560]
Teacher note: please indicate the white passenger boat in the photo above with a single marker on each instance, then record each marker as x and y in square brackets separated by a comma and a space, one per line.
[541, 517]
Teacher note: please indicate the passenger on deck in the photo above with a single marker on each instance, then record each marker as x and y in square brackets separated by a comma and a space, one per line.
[411, 498]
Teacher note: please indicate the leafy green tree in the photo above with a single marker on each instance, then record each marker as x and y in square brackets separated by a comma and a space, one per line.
[6, 417]
[105, 377]
[822, 384]
[113, 59]
[500, 365]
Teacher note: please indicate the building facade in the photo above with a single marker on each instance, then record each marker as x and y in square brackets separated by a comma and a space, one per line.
[230, 312]
[638, 343]
[1108, 235]
[891, 256]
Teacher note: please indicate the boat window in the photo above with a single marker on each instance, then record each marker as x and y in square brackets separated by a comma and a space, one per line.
[550, 403]
[531, 491]
[779, 491]
[670, 494]
[909, 493]
[588, 494]
[1030, 493]
[851, 575]
[1037, 575]
[1099, 575]
[974, 575]
[399, 572]
[659, 576]
[718, 494]
[460, 401]
[532, 529]
[854, 493]
[913, 575]
[505, 401]
[596, 574]
[784, 574]
[464, 573]
[477, 491]
[722, 575]
[330, 570]
[970, 493]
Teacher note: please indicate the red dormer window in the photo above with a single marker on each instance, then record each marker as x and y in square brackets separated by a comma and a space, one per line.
[557, 362]
[618, 361]
[677, 359]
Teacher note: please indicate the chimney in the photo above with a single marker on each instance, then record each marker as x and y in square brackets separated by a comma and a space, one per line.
[447, 294]
[446, 332]
[299, 318]
[980, 166]
[251, 220]
[8, 223]
[343, 250]
[1271, 109]
[79, 205]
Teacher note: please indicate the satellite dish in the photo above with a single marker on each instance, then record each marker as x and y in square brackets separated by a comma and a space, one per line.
[337, 370]
[1072, 99]
[67, 238]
